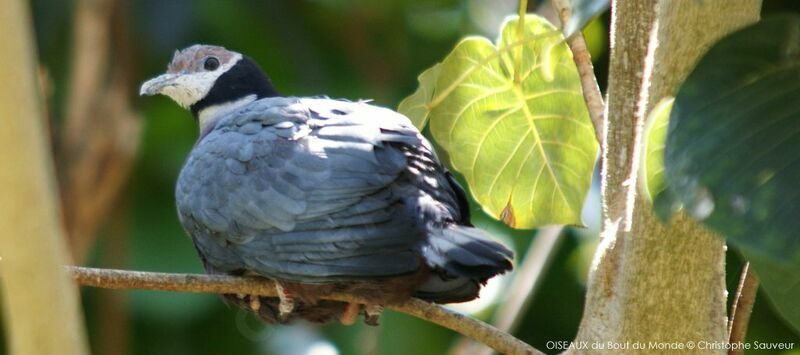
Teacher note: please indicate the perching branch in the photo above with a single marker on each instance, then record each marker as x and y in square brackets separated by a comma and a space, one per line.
[741, 308]
[197, 283]
[583, 60]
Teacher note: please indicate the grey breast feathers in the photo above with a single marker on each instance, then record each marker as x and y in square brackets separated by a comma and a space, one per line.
[303, 189]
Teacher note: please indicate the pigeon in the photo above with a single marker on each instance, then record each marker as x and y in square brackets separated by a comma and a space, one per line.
[319, 195]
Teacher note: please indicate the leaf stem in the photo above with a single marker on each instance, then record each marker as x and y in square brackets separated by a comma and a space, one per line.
[523, 9]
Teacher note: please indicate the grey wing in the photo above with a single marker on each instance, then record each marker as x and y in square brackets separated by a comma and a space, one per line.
[311, 200]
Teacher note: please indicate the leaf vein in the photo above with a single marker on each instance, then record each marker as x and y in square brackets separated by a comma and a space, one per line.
[508, 160]
[466, 107]
[486, 135]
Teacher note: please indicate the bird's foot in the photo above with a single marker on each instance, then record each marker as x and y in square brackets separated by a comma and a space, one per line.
[350, 314]
[252, 301]
[372, 313]
[255, 303]
[286, 305]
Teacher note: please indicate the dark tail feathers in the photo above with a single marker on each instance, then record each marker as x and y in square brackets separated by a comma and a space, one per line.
[464, 259]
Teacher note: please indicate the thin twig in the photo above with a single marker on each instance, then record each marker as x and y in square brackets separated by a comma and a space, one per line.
[197, 283]
[522, 288]
[527, 278]
[583, 60]
[741, 309]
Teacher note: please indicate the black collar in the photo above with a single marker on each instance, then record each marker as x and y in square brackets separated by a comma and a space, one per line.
[243, 79]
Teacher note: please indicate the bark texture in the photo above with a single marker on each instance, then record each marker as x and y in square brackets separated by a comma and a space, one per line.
[41, 309]
[651, 282]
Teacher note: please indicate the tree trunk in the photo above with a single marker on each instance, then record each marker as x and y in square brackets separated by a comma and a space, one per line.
[42, 313]
[652, 282]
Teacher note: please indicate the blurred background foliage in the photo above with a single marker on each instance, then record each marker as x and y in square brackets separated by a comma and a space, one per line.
[351, 49]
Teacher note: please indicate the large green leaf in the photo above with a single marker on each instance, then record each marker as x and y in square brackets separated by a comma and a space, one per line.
[733, 149]
[416, 105]
[513, 121]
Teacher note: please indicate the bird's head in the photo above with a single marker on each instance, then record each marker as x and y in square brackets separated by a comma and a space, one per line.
[208, 79]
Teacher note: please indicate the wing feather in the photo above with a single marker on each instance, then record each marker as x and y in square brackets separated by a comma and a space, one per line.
[309, 195]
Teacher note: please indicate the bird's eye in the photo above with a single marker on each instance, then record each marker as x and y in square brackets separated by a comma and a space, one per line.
[211, 63]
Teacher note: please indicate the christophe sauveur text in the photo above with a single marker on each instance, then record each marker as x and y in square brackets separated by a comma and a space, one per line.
[660, 345]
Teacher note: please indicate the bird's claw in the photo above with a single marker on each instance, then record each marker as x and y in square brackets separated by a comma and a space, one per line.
[286, 305]
[350, 314]
[372, 313]
[255, 303]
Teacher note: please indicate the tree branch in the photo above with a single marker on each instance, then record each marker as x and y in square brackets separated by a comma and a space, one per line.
[654, 46]
[197, 283]
[741, 308]
[583, 60]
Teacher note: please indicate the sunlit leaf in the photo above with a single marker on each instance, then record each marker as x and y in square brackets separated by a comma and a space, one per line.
[415, 106]
[733, 149]
[513, 121]
[655, 133]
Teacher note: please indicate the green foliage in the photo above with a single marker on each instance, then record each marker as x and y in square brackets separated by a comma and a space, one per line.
[733, 150]
[512, 119]
[781, 282]
[415, 106]
[655, 133]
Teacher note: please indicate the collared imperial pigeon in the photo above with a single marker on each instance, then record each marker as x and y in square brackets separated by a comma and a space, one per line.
[319, 195]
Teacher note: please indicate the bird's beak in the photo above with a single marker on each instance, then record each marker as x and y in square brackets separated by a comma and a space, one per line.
[156, 85]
